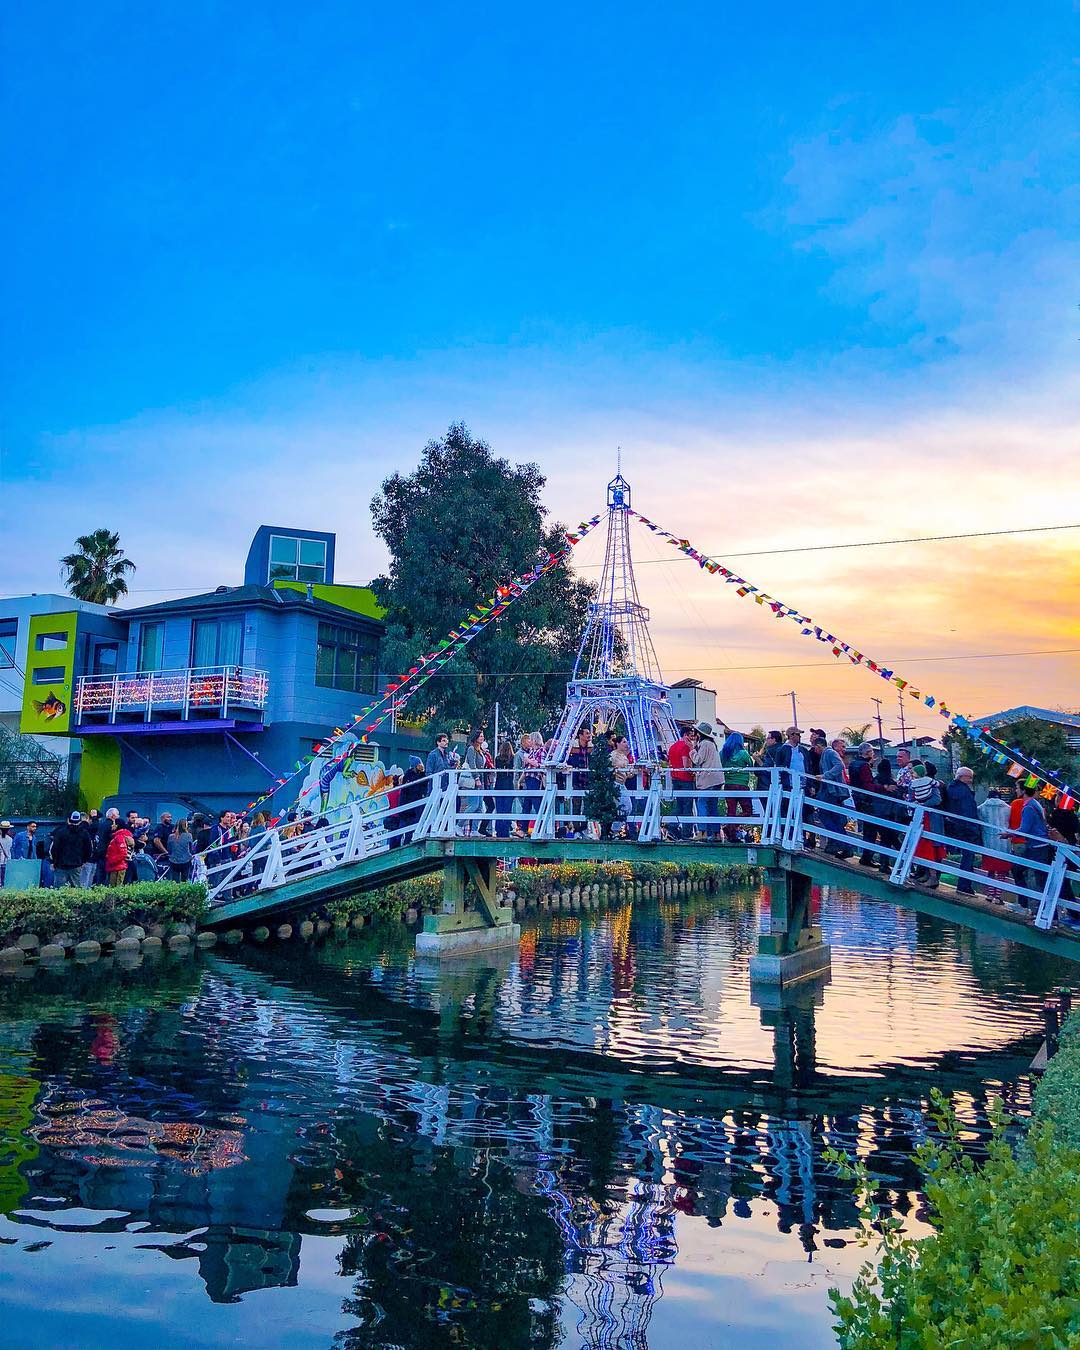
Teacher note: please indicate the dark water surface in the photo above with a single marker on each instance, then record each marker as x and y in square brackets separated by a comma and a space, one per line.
[594, 1140]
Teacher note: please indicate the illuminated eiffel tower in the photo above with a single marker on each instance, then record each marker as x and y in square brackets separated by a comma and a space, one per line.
[616, 681]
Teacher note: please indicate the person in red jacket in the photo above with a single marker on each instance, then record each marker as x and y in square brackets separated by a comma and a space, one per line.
[682, 782]
[117, 856]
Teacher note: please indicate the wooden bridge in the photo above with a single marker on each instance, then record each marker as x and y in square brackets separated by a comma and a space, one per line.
[784, 825]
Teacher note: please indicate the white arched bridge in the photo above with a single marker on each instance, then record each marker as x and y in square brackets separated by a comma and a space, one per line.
[928, 860]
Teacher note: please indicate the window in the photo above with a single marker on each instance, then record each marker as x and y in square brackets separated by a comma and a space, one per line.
[106, 658]
[9, 631]
[48, 675]
[151, 645]
[217, 642]
[50, 642]
[345, 659]
[297, 559]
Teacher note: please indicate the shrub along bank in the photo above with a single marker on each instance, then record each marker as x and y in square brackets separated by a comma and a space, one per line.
[531, 884]
[99, 910]
[1003, 1267]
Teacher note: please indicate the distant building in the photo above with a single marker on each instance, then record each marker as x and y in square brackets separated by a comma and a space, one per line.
[1069, 723]
[692, 702]
[199, 703]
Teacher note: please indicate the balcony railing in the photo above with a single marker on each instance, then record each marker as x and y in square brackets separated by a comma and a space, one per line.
[191, 692]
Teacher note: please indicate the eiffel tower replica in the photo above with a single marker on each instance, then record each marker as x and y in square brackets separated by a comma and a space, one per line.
[616, 682]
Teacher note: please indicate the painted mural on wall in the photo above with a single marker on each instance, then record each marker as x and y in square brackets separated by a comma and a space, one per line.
[50, 660]
[357, 776]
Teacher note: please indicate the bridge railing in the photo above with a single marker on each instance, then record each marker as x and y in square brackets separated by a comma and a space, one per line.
[908, 842]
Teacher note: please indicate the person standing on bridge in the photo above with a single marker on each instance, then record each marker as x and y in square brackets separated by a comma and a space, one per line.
[994, 814]
[833, 789]
[1034, 843]
[737, 762]
[441, 759]
[861, 775]
[793, 761]
[680, 761]
[708, 775]
[963, 824]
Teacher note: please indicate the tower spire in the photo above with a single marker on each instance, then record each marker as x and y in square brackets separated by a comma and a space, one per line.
[616, 679]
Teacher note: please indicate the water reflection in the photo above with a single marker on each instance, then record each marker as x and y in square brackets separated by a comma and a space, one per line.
[600, 1140]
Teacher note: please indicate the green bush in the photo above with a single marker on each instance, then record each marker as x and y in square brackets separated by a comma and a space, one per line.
[88, 913]
[1003, 1268]
[532, 882]
[1057, 1098]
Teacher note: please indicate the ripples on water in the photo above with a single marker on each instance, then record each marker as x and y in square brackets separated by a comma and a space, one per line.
[598, 1139]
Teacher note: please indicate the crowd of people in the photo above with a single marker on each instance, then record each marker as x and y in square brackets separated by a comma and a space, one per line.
[714, 784]
[711, 774]
[106, 848]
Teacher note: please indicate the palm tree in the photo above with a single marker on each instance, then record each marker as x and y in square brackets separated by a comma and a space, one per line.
[855, 735]
[95, 572]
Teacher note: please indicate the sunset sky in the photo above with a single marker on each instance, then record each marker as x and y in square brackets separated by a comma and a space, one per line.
[811, 267]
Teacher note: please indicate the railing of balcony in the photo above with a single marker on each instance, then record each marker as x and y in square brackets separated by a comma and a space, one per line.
[194, 689]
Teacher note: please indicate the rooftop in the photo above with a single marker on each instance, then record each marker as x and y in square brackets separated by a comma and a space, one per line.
[268, 597]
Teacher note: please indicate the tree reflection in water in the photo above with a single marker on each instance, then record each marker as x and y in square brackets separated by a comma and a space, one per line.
[491, 1162]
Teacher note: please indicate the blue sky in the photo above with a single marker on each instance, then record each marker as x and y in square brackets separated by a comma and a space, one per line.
[795, 253]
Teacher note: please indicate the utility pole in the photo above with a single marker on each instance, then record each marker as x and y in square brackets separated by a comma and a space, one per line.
[903, 729]
[880, 729]
[794, 709]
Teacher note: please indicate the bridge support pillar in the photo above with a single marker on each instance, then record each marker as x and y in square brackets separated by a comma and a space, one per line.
[792, 949]
[470, 918]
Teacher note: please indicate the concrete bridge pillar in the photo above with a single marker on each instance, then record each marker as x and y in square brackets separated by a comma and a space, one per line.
[470, 917]
[792, 948]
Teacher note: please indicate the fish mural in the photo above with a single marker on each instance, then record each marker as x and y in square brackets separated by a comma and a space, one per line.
[51, 709]
[357, 775]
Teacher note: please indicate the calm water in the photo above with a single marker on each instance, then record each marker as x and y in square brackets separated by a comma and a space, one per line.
[595, 1140]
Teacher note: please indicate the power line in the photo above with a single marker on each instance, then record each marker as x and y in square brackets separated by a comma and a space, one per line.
[787, 665]
[868, 543]
[755, 553]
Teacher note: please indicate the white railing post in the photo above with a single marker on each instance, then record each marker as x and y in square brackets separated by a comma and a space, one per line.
[149, 698]
[224, 691]
[649, 830]
[427, 813]
[793, 823]
[905, 858]
[356, 841]
[187, 693]
[770, 828]
[115, 697]
[544, 822]
[1048, 902]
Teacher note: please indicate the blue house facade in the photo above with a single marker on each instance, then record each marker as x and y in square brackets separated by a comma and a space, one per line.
[200, 703]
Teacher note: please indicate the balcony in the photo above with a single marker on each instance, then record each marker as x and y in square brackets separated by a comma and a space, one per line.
[197, 698]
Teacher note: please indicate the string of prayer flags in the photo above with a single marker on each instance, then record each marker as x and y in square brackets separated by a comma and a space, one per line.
[979, 735]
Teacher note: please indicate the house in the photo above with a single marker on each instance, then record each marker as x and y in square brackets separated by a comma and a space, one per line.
[43, 638]
[201, 702]
[1069, 723]
[692, 702]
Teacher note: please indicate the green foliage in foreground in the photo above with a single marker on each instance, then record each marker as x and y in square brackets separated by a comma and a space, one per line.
[422, 893]
[88, 913]
[1003, 1268]
[1057, 1098]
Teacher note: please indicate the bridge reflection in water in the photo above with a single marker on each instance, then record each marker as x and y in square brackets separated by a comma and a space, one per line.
[508, 1145]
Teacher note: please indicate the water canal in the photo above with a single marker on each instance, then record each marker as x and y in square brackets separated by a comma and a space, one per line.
[596, 1140]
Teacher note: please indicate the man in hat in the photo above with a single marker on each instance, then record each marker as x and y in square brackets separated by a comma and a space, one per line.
[708, 774]
[69, 850]
[412, 792]
[793, 761]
